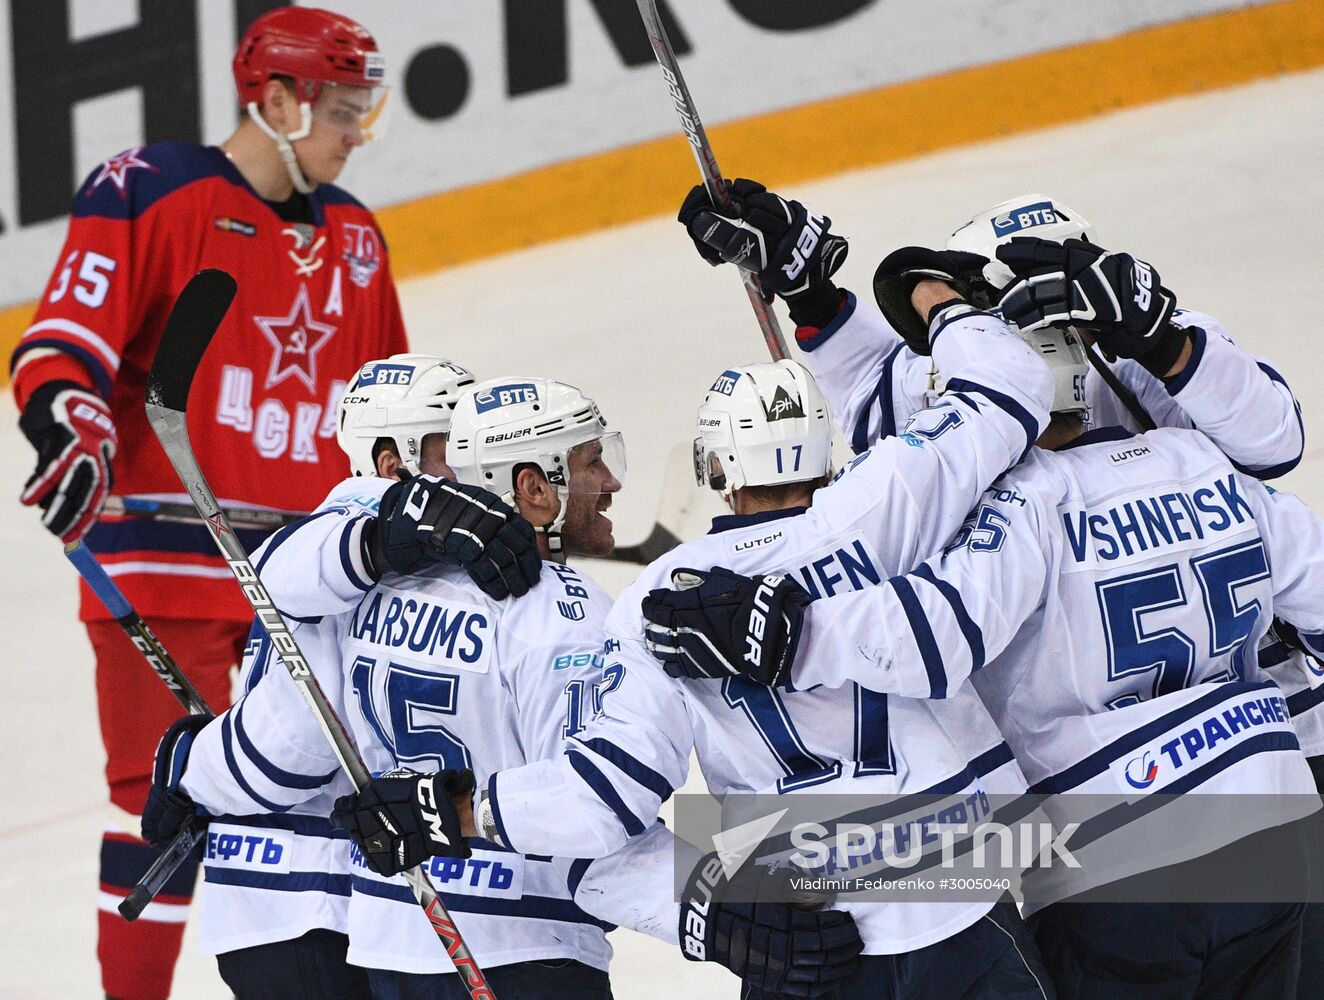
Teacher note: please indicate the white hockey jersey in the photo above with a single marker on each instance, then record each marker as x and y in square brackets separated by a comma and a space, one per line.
[889, 509]
[274, 865]
[874, 383]
[1108, 599]
[279, 764]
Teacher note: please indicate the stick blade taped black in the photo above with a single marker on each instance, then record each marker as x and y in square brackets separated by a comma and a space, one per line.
[193, 321]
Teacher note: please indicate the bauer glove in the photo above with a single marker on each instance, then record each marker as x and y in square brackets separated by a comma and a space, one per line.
[403, 818]
[901, 270]
[168, 806]
[793, 252]
[426, 520]
[718, 624]
[1116, 297]
[774, 946]
[72, 431]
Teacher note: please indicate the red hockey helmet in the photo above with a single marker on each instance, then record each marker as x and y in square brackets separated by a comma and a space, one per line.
[313, 46]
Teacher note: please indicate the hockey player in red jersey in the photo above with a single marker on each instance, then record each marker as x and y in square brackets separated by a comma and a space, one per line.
[315, 297]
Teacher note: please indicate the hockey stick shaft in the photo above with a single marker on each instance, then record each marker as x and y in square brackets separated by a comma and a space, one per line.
[169, 510]
[138, 631]
[165, 667]
[192, 323]
[697, 137]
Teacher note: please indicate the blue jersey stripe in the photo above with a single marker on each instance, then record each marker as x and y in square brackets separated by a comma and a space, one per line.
[846, 310]
[1179, 382]
[974, 637]
[882, 398]
[923, 633]
[303, 825]
[631, 766]
[227, 745]
[527, 906]
[603, 789]
[274, 774]
[1004, 402]
[335, 885]
[346, 557]
[96, 368]
[1100, 760]
[142, 534]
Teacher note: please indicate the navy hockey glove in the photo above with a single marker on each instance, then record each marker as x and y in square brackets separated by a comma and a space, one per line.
[719, 624]
[426, 520]
[72, 431]
[1116, 297]
[901, 270]
[792, 251]
[168, 807]
[773, 946]
[403, 818]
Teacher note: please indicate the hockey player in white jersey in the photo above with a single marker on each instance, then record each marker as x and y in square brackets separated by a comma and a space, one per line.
[1187, 373]
[1108, 599]
[485, 683]
[765, 442]
[275, 909]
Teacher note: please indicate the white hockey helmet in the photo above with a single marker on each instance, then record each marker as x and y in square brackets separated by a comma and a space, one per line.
[1061, 349]
[761, 425]
[504, 423]
[403, 398]
[1029, 215]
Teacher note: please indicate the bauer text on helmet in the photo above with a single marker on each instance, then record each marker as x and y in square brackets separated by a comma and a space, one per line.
[763, 425]
[503, 426]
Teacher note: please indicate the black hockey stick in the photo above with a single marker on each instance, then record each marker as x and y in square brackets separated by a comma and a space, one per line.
[160, 660]
[707, 161]
[1124, 395]
[197, 313]
[170, 510]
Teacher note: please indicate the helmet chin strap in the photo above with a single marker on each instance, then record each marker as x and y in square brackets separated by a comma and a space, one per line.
[552, 532]
[282, 142]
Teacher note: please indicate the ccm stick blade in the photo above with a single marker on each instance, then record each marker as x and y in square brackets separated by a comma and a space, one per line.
[188, 331]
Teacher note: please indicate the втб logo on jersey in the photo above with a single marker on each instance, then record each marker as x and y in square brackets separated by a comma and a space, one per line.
[1141, 771]
[1039, 214]
[505, 395]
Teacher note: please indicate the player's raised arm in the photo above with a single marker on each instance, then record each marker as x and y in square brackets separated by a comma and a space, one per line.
[912, 491]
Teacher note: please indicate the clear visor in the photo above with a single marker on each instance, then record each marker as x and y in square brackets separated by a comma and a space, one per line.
[598, 466]
[356, 112]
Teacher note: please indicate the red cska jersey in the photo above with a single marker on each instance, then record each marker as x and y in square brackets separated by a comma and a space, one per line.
[315, 300]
